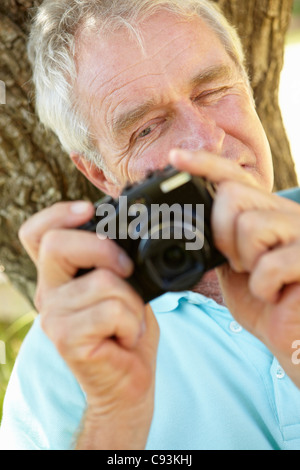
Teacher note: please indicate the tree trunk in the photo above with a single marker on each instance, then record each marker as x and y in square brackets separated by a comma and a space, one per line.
[35, 173]
[262, 26]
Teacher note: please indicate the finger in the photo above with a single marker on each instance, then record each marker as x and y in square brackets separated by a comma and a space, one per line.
[260, 231]
[275, 270]
[60, 215]
[116, 322]
[214, 168]
[63, 252]
[96, 286]
[150, 332]
[80, 336]
[232, 200]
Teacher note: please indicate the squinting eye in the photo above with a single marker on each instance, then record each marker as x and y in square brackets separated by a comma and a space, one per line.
[214, 94]
[145, 132]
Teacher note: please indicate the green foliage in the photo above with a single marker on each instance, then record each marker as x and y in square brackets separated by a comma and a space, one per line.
[12, 335]
[296, 7]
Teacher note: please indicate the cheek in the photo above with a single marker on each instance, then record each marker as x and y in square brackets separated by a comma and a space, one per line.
[256, 140]
[245, 127]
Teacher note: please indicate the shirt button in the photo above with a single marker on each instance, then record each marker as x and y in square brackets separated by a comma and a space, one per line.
[235, 327]
[280, 374]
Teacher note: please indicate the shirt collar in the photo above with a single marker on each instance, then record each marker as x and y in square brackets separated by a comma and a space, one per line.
[167, 302]
[170, 301]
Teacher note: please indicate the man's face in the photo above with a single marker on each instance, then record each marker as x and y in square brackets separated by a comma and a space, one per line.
[183, 91]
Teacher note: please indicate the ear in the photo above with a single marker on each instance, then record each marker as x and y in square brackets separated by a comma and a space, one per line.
[95, 175]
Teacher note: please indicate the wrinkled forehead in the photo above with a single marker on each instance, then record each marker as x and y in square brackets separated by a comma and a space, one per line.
[147, 28]
[103, 62]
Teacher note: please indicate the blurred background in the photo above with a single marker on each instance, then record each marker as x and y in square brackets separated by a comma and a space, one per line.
[289, 95]
[16, 314]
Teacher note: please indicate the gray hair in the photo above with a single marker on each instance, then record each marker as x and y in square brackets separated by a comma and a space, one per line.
[52, 48]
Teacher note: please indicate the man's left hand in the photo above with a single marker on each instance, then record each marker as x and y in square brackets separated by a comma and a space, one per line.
[259, 233]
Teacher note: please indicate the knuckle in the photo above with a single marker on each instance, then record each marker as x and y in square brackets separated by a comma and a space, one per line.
[116, 308]
[258, 288]
[265, 277]
[229, 189]
[246, 224]
[104, 278]
[270, 265]
[24, 232]
[109, 279]
[255, 286]
[50, 241]
[110, 250]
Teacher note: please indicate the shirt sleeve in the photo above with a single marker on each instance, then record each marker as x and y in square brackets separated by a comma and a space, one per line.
[292, 193]
[44, 403]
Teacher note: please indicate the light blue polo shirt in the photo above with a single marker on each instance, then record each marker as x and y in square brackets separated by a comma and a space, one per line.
[217, 387]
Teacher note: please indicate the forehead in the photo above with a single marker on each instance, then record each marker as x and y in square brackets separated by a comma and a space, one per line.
[115, 66]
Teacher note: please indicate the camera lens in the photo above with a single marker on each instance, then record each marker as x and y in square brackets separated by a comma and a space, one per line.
[167, 262]
[174, 257]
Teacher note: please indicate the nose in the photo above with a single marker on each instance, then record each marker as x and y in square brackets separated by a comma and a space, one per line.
[198, 130]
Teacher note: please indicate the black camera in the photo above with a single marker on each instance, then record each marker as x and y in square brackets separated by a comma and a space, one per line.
[163, 223]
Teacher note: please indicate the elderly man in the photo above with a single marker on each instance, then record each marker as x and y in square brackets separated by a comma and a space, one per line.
[131, 86]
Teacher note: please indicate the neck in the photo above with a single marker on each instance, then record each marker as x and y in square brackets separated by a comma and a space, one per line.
[210, 287]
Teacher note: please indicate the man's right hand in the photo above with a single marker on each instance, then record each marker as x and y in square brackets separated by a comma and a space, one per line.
[98, 323]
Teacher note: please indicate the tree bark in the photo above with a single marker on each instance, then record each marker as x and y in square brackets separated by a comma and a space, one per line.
[35, 173]
[262, 26]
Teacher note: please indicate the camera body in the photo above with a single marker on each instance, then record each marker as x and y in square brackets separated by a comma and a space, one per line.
[164, 225]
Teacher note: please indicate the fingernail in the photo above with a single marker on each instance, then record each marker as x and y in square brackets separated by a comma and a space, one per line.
[177, 154]
[80, 207]
[173, 156]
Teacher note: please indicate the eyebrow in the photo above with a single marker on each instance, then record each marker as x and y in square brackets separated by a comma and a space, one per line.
[214, 73]
[128, 119]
